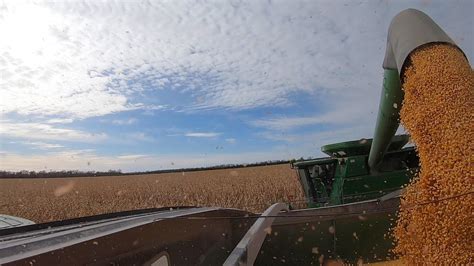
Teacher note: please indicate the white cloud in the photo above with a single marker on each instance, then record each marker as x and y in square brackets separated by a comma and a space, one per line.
[46, 132]
[152, 107]
[284, 123]
[322, 137]
[202, 134]
[74, 154]
[122, 122]
[296, 145]
[76, 59]
[231, 140]
[42, 145]
[347, 111]
[60, 121]
[140, 136]
[132, 156]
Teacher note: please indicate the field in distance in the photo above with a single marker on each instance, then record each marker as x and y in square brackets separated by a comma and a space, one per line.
[51, 199]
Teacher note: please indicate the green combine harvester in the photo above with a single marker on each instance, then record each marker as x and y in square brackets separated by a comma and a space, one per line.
[346, 177]
[353, 197]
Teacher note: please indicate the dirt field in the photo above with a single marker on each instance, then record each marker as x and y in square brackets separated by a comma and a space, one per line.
[251, 188]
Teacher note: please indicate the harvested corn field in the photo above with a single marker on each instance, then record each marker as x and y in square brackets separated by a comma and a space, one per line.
[437, 111]
[251, 188]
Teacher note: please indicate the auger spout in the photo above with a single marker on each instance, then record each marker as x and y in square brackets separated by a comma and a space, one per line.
[409, 30]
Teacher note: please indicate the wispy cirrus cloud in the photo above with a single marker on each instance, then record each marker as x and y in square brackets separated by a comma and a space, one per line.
[231, 140]
[133, 156]
[350, 111]
[123, 122]
[320, 138]
[284, 123]
[202, 134]
[60, 121]
[46, 132]
[42, 145]
[140, 136]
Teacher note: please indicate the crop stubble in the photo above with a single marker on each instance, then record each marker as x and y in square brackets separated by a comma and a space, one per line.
[50, 199]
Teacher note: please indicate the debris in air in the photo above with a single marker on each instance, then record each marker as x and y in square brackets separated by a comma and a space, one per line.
[268, 230]
[331, 229]
[64, 189]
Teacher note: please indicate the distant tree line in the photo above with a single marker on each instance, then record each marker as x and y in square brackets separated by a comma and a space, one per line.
[77, 173]
[53, 174]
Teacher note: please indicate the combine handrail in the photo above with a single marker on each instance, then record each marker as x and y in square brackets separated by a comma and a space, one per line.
[247, 250]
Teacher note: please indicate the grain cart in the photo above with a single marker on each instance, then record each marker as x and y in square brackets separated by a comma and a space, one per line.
[353, 195]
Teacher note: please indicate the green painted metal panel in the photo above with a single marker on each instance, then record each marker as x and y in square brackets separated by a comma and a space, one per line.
[352, 181]
[350, 239]
[305, 163]
[336, 194]
[361, 147]
[388, 118]
[356, 166]
[374, 186]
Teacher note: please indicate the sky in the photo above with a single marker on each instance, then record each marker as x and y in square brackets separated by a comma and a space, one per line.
[150, 85]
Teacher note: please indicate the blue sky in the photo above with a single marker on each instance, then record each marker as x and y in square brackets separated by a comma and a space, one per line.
[170, 84]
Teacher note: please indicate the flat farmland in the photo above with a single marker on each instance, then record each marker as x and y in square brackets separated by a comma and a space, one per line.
[248, 188]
